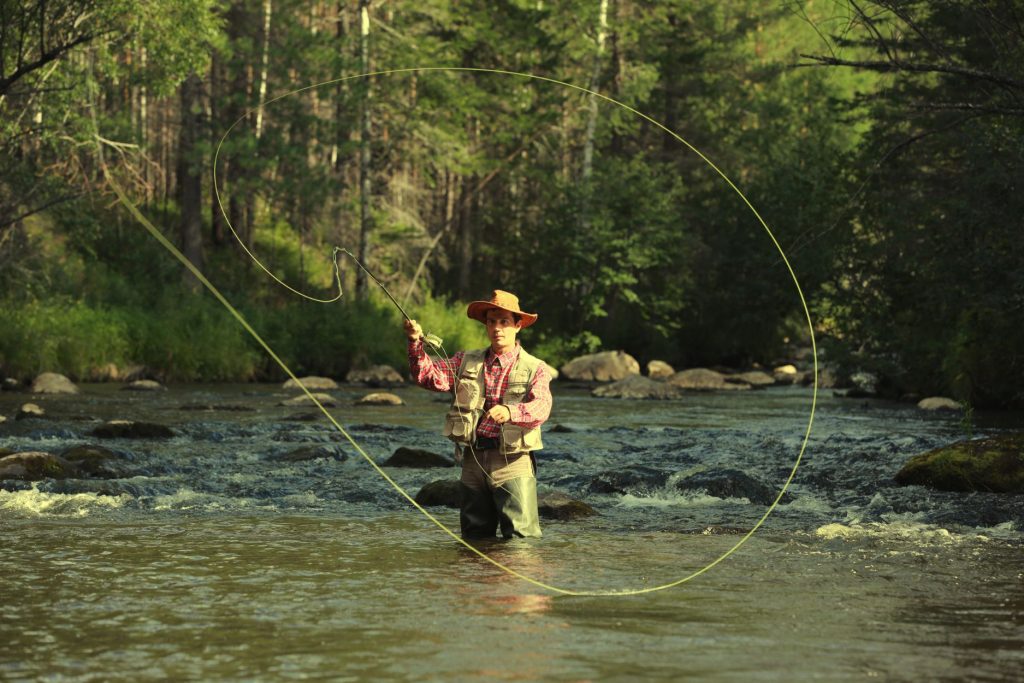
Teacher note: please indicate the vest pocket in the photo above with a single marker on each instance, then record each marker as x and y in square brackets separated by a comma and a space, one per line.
[467, 394]
[458, 426]
[515, 392]
[516, 439]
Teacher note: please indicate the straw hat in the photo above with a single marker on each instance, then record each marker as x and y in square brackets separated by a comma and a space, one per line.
[506, 301]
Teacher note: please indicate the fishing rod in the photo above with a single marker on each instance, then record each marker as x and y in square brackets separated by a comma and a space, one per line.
[430, 339]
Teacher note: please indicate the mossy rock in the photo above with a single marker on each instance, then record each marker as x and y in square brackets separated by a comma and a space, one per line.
[995, 465]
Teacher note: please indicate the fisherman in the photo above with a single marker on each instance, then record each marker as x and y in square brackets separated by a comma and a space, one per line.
[502, 396]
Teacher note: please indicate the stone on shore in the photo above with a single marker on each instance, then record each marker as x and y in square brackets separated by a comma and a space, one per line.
[34, 466]
[380, 398]
[446, 492]
[53, 383]
[938, 403]
[994, 464]
[703, 379]
[144, 385]
[128, 429]
[417, 458]
[729, 483]
[325, 399]
[557, 505]
[659, 369]
[637, 387]
[375, 376]
[29, 410]
[311, 383]
[10, 384]
[607, 366]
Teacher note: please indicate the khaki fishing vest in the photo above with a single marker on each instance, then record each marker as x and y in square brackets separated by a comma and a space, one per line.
[468, 408]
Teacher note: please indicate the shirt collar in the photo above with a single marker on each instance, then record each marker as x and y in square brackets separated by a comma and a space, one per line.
[506, 359]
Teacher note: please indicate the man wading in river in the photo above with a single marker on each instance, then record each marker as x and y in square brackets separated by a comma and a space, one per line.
[502, 396]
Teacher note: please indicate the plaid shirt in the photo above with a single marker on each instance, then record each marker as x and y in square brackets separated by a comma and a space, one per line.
[439, 375]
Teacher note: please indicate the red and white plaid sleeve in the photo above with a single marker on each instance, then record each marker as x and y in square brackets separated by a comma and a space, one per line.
[536, 405]
[436, 375]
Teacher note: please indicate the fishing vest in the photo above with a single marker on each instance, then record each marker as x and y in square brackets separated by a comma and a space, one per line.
[468, 407]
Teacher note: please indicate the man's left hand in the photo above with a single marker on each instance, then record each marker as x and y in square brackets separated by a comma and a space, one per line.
[500, 414]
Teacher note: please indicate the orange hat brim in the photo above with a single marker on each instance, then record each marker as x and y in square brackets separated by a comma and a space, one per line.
[477, 310]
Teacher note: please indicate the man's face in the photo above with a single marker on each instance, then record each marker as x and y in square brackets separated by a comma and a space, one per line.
[502, 328]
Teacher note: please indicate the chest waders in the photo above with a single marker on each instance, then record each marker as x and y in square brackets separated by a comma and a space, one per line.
[490, 500]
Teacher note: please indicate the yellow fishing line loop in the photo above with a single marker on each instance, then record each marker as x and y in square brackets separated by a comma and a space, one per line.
[133, 209]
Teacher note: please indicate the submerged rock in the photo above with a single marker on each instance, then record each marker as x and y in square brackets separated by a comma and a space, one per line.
[416, 457]
[607, 366]
[311, 383]
[938, 403]
[325, 400]
[729, 483]
[29, 410]
[93, 461]
[375, 376]
[53, 383]
[557, 505]
[34, 466]
[144, 385]
[995, 464]
[446, 492]
[127, 429]
[637, 387]
[310, 452]
[631, 478]
[380, 399]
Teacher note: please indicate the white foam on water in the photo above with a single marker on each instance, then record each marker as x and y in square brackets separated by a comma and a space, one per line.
[902, 530]
[664, 499]
[36, 503]
[187, 499]
[808, 503]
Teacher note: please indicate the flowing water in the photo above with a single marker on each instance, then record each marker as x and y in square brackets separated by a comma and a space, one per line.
[209, 557]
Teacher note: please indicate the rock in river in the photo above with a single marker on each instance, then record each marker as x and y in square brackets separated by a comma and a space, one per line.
[144, 385]
[127, 429]
[35, 465]
[53, 383]
[607, 366]
[728, 483]
[995, 464]
[93, 461]
[702, 379]
[637, 386]
[29, 410]
[311, 383]
[375, 376]
[659, 369]
[631, 478]
[938, 403]
[557, 505]
[310, 452]
[416, 457]
[444, 492]
[380, 399]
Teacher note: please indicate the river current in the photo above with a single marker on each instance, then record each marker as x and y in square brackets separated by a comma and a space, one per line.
[213, 556]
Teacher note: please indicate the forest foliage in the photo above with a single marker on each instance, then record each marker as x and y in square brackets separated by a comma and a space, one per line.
[881, 142]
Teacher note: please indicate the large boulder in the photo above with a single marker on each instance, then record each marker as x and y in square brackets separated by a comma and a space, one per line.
[994, 464]
[607, 366]
[938, 403]
[557, 505]
[703, 379]
[53, 383]
[729, 483]
[375, 376]
[35, 465]
[417, 457]
[325, 400]
[380, 398]
[659, 369]
[446, 492]
[311, 383]
[637, 386]
[128, 429]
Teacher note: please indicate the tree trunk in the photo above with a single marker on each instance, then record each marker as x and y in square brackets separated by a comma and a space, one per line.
[189, 178]
[365, 226]
[595, 74]
[264, 66]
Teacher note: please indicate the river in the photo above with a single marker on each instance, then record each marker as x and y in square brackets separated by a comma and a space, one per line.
[209, 557]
